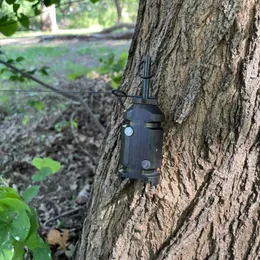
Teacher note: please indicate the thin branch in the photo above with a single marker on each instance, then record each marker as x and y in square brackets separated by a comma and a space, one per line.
[73, 131]
[119, 26]
[65, 94]
[63, 215]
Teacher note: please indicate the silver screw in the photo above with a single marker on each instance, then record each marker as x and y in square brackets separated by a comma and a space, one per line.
[129, 131]
[146, 164]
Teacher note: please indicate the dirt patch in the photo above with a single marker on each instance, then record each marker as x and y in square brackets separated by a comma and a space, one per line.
[50, 133]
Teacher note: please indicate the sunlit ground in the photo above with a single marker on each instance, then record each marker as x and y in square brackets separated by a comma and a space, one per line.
[93, 29]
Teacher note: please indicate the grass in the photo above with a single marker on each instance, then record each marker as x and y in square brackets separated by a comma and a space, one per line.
[35, 54]
[95, 50]
[25, 34]
[67, 61]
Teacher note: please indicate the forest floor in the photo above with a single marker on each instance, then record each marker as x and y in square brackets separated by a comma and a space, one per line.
[56, 128]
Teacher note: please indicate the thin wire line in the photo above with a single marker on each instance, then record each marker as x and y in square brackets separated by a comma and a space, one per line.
[50, 91]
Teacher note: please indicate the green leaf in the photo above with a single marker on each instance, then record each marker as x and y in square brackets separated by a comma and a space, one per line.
[10, 61]
[37, 162]
[33, 220]
[111, 58]
[25, 121]
[46, 162]
[18, 250]
[51, 2]
[35, 104]
[6, 251]
[10, 2]
[4, 232]
[30, 193]
[38, 105]
[34, 240]
[7, 215]
[36, 10]
[13, 203]
[24, 20]
[124, 56]
[114, 85]
[14, 78]
[74, 124]
[16, 7]
[94, 1]
[43, 70]
[19, 59]
[20, 226]
[42, 175]
[42, 253]
[8, 26]
[7, 192]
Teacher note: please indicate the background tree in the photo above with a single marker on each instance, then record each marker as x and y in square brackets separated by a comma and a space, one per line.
[103, 13]
[48, 18]
[119, 11]
[207, 80]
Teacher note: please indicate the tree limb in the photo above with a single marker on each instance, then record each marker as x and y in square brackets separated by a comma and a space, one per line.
[65, 94]
[119, 26]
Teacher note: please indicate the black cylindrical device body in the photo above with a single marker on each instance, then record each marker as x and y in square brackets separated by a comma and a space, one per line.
[142, 139]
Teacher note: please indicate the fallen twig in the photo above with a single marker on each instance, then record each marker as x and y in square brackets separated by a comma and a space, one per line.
[69, 212]
[119, 26]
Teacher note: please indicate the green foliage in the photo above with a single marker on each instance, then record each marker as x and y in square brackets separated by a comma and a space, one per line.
[21, 13]
[113, 67]
[40, 163]
[102, 14]
[35, 104]
[25, 121]
[76, 71]
[98, 16]
[74, 124]
[95, 50]
[60, 126]
[51, 2]
[24, 20]
[17, 76]
[18, 228]
[8, 26]
[42, 174]
[18, 222]
[30, 193]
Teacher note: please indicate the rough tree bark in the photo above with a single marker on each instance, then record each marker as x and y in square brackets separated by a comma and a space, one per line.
[208, 84]
[48, 18]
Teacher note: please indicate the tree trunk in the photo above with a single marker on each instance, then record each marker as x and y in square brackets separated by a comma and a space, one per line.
[48, 18]
[207, 80]
[119, 11]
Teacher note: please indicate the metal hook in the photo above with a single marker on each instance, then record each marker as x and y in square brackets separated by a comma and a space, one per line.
[141, 67]
[120, 94]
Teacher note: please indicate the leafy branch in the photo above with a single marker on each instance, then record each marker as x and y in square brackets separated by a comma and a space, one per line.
[19, 222]
[9, 22]
[63, 93]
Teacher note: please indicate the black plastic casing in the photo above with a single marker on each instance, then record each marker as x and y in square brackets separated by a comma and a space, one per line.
[142, 139]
